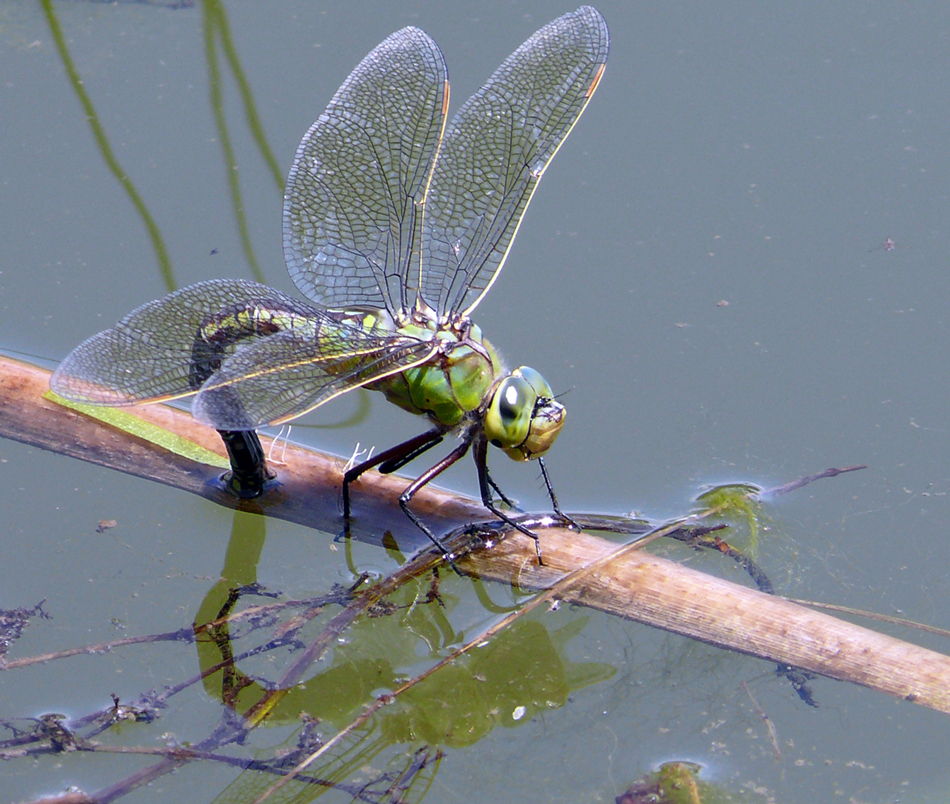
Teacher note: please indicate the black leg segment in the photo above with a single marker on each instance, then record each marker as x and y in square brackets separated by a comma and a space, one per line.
[485, 485]
[390, 460]
[426, 477]
[557, 509]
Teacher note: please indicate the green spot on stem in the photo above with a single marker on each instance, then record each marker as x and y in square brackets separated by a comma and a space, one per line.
[133, 425]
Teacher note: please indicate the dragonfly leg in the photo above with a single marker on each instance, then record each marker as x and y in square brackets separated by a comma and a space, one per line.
[486, 484]
[504, 498]
[249, 470]
[422, 480]
[557, 509]
[390, 460]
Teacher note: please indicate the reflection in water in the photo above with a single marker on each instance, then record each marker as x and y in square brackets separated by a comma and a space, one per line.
[102, 141]
[516, 676]
[217, 31]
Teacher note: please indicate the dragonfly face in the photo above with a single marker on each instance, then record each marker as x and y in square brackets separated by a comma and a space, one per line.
[395, 226]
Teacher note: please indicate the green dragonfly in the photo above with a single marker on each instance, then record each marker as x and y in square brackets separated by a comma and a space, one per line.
[394, 227]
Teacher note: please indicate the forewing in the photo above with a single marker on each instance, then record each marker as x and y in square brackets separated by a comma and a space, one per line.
[279, 378]
[495, 151]
[151, 353]
[356, 191]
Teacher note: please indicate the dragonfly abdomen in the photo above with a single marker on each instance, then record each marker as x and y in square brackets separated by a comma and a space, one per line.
[219, 335]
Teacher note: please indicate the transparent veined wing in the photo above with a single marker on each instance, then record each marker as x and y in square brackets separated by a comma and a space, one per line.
[257, 355]
[150, 355]
[356, 191]
[281, 377]
[495, 151]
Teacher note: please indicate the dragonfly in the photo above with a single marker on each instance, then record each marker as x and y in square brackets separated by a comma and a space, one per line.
[395, 227]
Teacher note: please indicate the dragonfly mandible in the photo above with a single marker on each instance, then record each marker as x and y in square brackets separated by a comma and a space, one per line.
[394, 228]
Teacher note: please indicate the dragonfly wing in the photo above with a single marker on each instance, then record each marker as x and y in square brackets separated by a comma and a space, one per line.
[495, 151]
[356, 191]
[155, 352]
[276, 379]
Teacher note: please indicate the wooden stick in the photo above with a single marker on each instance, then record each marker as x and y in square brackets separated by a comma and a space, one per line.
[306, 492]
[637, 586]
[666, 595]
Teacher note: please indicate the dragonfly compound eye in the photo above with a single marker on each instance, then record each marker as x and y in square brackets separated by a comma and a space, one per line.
[536, 381]
[508, 419]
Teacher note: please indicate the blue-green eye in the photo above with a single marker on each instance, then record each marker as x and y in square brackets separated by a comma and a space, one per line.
[508, 418]
[538, 384]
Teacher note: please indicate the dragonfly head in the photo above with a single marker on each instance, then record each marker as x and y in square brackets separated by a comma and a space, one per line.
[523, 418]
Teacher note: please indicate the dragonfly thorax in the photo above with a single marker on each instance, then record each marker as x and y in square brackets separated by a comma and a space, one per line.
[455, 381]
[523, 418]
